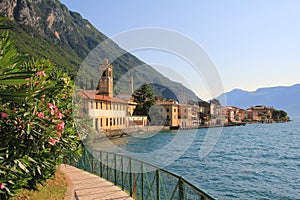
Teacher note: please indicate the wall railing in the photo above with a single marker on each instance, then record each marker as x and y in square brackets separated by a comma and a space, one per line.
[140, 180]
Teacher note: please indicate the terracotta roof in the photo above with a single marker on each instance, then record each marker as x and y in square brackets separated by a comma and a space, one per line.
[166, 103]
[92, 95]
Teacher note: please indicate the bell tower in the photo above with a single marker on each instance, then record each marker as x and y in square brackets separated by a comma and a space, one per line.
[106, 79]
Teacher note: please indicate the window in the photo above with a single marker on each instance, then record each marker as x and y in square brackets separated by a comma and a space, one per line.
[168, 110]
[100, 122]
[92, 105]
[96, 124]
[100, 105]
[106, 121]
[96, 105]
[111, 122]
[174, 109]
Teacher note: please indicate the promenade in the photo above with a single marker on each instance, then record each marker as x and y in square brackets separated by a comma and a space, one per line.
[87, 186]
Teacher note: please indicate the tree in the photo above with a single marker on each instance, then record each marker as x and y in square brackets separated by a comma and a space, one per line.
[215, 101]
[144, 98]
[280, 115]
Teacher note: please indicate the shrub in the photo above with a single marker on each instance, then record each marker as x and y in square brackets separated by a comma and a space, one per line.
[36, 120]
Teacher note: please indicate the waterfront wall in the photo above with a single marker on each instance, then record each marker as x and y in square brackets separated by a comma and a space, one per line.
[130, 131]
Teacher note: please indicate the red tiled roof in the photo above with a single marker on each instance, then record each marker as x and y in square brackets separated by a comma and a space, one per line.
[92, 94]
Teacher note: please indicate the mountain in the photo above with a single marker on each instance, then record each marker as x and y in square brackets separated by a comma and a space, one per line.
[282, 97]
[48, 29]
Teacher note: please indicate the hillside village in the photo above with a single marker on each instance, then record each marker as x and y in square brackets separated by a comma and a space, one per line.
[114, 114]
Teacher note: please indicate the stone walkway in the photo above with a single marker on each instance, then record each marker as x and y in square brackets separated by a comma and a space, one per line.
[87, 186]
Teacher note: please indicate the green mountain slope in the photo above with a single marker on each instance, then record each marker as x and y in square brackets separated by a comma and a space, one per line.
[47, 29]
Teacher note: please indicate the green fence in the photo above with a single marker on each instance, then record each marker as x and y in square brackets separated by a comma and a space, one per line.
[141, 180]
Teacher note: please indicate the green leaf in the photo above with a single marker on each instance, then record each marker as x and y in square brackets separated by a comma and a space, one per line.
[22, 166]
[13, 82]
[8, 95]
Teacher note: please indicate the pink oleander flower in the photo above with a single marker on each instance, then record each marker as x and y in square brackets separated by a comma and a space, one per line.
[60, 126]
[28, 83]
[4, 115]
[41, 73]
[52, 141]
[44, 74]
[40, 115]
[43, 98]
[58, 134]
[59, 115]
[53, 108]
[50, 105]
[2, 186]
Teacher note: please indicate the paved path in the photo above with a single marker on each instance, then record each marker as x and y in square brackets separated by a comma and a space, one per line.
[91, 187]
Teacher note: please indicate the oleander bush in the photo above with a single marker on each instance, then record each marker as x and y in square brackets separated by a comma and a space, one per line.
[37, 125]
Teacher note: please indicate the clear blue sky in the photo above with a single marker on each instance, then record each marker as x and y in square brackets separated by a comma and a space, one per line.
[253, 43]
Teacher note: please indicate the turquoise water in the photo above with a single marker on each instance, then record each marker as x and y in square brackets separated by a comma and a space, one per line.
[260, 161]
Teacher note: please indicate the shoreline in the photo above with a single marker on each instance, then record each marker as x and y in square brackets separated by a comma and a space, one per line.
[118, 133]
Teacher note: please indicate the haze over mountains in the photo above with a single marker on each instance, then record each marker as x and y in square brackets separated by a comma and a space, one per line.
[283, 97]
[47, 29]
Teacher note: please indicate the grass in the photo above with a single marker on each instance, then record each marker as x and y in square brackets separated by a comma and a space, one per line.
[53, 189]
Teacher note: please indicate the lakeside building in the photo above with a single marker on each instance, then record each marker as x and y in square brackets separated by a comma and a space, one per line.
[233, 114]
[254, 114]
[191, 115]
[171, 108]
[262, 113]
[185, 116]
[109, 112]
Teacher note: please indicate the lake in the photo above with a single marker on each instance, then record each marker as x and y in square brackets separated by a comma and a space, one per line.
[258, 161]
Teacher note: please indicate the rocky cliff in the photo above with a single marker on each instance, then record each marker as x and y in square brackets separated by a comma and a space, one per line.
[47, 29]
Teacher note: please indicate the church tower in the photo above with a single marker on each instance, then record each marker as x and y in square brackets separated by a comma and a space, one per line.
[106, 79]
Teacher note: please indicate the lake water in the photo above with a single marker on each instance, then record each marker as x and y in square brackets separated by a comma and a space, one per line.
[258, 161]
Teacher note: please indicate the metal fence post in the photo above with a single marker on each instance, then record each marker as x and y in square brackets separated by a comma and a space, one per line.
[157, 185]
[115, 170]
[181, 189]
[142, 181]
[101, 165]
[92, 162]
[122, 172]
[107, 170]
[130, 178]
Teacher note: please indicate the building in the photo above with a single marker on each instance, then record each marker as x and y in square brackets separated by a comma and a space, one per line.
[261, 113]
[185, 116]
[171, 108]
[233, 114]
[109, 112]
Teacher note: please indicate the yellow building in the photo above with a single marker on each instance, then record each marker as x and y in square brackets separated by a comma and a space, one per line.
[107, 111]
[172, 111]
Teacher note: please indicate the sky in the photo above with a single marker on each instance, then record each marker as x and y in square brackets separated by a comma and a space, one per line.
[252, 43]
